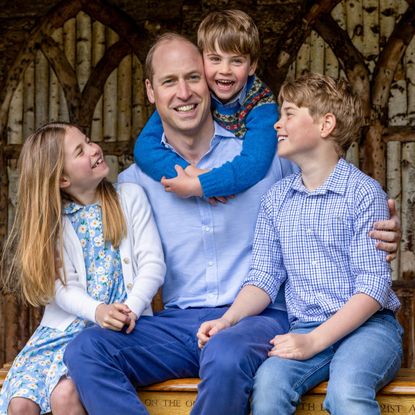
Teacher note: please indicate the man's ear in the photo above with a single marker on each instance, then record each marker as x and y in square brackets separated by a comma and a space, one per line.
[328, 124]
[64, 182]
[150, 92]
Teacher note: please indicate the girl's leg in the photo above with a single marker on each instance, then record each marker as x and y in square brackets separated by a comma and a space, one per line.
[22, 406]
[280, 383]
[363, 363]
[64, 399]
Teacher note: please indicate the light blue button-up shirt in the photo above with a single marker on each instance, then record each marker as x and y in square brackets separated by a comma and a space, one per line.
[207, 248]
[318, 243]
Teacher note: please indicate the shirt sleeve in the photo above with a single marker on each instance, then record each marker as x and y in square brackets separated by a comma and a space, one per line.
[267, 269]
[155, 159]
[252, 164]
[368, 264]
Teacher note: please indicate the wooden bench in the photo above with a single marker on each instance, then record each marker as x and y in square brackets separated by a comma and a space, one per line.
[177, 396]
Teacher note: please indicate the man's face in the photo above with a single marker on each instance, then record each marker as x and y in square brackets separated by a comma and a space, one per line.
[178, 88]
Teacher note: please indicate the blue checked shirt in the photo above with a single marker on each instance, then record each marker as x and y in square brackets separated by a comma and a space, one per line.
[318, 243]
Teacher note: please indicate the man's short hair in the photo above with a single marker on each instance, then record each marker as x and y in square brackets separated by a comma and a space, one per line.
[165, 37]
[322, 94]
[233, 31]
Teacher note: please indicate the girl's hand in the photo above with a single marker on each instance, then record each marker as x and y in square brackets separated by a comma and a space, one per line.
[133, 319]
[294, 346]
[113, 316]
[209, 329]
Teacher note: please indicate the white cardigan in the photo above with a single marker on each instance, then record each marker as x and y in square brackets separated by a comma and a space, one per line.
[141, 258]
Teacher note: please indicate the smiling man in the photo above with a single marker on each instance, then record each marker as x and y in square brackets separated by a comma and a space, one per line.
[207, 251]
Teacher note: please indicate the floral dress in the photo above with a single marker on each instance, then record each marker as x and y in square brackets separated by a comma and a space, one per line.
[39, 366]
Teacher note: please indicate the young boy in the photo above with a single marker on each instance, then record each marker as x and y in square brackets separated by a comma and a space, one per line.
[312, 233]
[241, 103]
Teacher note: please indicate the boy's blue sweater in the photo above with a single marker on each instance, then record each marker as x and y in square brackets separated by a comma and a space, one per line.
[252, 120]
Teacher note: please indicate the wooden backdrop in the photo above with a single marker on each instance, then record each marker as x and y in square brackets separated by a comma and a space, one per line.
[81, 61]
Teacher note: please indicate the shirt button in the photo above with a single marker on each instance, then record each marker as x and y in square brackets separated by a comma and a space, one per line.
[126, 260]
[309, 231]
[206, 228]
[210, 263]
[129, 286]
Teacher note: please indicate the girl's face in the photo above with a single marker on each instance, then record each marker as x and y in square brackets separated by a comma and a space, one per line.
[84, 166]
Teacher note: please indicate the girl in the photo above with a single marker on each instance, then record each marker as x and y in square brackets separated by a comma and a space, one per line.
[88, 252]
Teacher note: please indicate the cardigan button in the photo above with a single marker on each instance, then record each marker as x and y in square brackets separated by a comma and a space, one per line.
[129, 286]
[126, 260]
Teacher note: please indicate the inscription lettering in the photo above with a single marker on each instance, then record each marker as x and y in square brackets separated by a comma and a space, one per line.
[390, 408]
[165, 403]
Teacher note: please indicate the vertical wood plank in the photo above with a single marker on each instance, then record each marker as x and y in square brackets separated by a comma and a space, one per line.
[98, 50]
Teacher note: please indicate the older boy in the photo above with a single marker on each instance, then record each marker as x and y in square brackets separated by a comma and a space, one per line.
[241, 103]
[312, 233]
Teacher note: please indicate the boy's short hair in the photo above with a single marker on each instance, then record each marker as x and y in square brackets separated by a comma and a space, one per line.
[230, 31]
[322, 94]
[165, 37]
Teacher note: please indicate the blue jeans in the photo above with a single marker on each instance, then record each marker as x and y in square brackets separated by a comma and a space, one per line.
[107, 365]
[358, 366]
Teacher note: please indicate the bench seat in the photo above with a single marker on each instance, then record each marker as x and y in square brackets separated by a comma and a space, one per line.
[177, 396]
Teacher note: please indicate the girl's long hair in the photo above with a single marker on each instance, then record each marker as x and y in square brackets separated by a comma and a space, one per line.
[33, 253]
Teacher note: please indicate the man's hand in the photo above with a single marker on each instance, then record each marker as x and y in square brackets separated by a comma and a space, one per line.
[294, 346]
[388, 232]
[209, 329]
[113, 316]
[184, 185]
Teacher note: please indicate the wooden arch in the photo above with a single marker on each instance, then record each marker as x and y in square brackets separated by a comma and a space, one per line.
[374, 92]
[134, 38]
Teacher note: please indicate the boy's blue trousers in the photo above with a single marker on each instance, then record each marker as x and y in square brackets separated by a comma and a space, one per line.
[107, 365]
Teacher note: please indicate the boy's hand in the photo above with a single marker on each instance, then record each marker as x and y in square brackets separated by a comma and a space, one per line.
[194, 171]
[209, 329]
[388, 232]
[184, 185]
[113, 316]
[219, 199]
[294, 346]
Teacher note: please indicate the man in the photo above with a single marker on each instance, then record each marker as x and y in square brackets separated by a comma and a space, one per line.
[207, 250]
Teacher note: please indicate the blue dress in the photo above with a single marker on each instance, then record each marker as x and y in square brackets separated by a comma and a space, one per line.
[39, 366]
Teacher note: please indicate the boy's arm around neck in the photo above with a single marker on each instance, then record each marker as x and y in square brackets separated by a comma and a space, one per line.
[151, 155]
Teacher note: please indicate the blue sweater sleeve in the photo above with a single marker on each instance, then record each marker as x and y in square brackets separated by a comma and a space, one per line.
[151, 155]
[252, 164]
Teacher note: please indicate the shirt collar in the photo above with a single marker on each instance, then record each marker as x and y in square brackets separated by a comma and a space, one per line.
[336, 182]
[219, 132]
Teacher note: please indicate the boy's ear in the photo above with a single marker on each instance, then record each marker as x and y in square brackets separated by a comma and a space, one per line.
[328, 124]
[150, 92]
[64, 182]
[252, 68]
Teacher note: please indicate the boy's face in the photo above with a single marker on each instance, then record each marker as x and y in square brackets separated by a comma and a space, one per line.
[226, 72]
[299, 136]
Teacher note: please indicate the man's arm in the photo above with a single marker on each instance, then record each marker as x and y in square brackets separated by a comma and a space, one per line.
[388, 232]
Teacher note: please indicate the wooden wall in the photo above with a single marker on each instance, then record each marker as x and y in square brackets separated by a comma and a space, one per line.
[81, 61]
